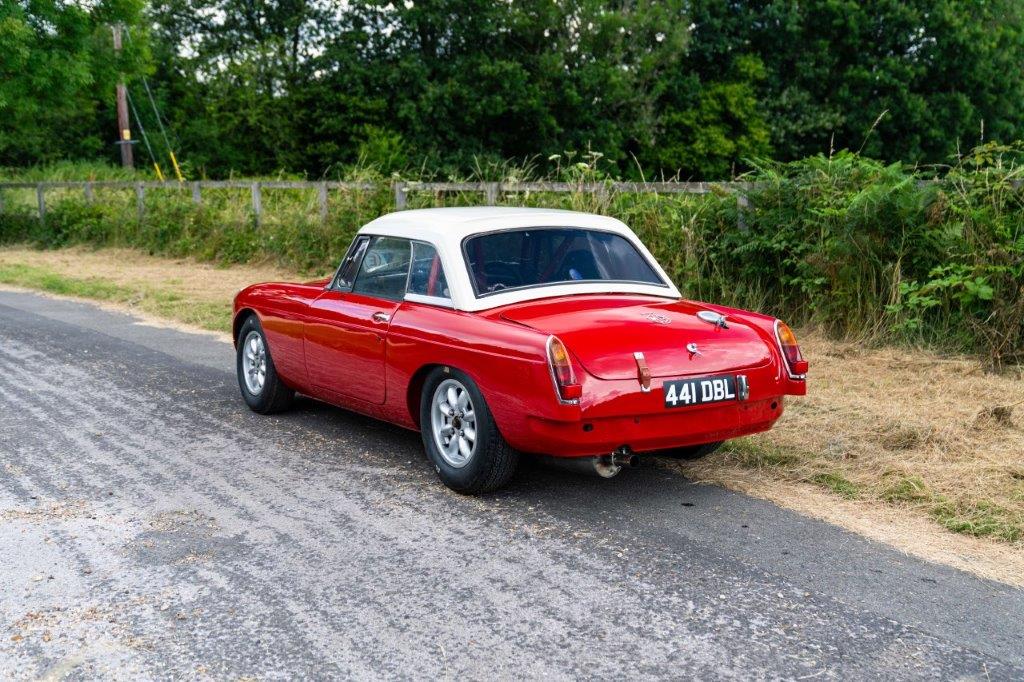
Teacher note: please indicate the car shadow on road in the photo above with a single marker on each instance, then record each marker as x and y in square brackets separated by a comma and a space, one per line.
[393, 446]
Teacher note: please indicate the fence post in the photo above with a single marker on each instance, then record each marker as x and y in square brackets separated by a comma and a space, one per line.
[492, 190]
[88, 193]
[140, 200]
[41, 200]
[400, 196]
[257, 205]
[197, 194]
[742, 203]
[321, 200]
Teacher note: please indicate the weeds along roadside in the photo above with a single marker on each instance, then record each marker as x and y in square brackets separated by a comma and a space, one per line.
[859, 249]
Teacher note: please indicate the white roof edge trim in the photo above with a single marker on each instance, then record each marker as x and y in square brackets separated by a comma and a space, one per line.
[445, 229]
[573, 289]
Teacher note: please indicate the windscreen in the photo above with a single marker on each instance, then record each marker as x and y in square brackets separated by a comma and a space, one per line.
[515, 259]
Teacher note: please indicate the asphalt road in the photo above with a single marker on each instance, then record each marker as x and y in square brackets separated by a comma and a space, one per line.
[152, 527]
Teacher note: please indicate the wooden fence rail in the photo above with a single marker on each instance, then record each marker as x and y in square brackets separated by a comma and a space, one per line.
[492, 191]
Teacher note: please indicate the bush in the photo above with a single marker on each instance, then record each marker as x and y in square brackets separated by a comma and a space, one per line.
[861, 249]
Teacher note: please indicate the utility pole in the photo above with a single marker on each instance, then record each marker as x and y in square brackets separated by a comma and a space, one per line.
[124, 132]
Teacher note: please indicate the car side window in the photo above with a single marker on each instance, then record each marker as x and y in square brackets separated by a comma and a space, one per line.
[347, 271]
[384, 271]
[426, 276]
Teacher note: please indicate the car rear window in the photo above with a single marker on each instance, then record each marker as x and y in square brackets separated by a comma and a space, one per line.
[516, 259]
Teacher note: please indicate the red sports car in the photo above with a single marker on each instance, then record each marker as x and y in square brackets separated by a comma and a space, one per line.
[500, 331]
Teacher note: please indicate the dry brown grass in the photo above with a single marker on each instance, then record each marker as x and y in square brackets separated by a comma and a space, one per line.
[912, 435]
[198, 281]
[182, 290]
[922, 451]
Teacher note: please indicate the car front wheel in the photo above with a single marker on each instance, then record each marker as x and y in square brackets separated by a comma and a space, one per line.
[262, 389]
[460, 436]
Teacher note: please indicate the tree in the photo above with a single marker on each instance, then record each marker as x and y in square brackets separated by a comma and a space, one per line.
[57, 76]
[694, 88]
[231, 76]
[464, 79]
[905, 81]
[710, 129]
[281, 84]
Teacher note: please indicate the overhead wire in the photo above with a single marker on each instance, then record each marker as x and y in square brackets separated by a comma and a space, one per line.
[159, 120]
[145, 138]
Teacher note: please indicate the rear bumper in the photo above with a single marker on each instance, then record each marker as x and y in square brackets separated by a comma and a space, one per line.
[597, 435]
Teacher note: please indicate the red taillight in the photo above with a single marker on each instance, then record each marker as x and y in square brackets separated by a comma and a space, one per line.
[795, 362]
[569, 390]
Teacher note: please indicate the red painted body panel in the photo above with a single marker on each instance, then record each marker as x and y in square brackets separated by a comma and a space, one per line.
[603, 332]
[326, 344]
[345, 346]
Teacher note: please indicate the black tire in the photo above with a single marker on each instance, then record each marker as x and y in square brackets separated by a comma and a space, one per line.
[692, 451]
[274, 396]
[493, 462]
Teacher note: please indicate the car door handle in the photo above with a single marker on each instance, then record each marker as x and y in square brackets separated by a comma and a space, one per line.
[381, 317]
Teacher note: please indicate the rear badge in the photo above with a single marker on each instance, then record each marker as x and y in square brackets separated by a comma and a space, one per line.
[657, 318]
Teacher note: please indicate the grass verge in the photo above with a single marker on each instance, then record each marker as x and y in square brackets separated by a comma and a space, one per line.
[983, 513]
[892, 437]
[183, 290]
[917, 449]
[149, 299]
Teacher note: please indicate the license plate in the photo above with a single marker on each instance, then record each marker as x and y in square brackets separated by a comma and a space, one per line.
[699, 391]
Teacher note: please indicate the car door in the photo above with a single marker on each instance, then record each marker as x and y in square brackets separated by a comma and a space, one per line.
[346, 328]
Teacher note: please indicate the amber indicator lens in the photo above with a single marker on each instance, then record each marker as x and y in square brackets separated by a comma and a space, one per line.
[789, 345]
[561, 369]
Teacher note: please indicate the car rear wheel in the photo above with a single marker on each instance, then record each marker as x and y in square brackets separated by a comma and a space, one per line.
[460, 436]
[262, 389]
[692, 451]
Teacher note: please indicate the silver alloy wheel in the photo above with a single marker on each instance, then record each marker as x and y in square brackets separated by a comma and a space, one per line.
[254, 362]
[453, 422]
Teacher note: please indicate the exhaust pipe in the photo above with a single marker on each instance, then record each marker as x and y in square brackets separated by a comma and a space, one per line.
[605, 466]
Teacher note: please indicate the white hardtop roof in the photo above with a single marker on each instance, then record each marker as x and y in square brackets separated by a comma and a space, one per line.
[445, 228]
[459, 223]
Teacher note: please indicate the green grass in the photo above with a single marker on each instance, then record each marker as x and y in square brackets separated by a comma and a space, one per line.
[837, 484]
[70, 171]
[905, 489]
[756, 454]
[46, 280]
[148, 299]
[980, 519]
